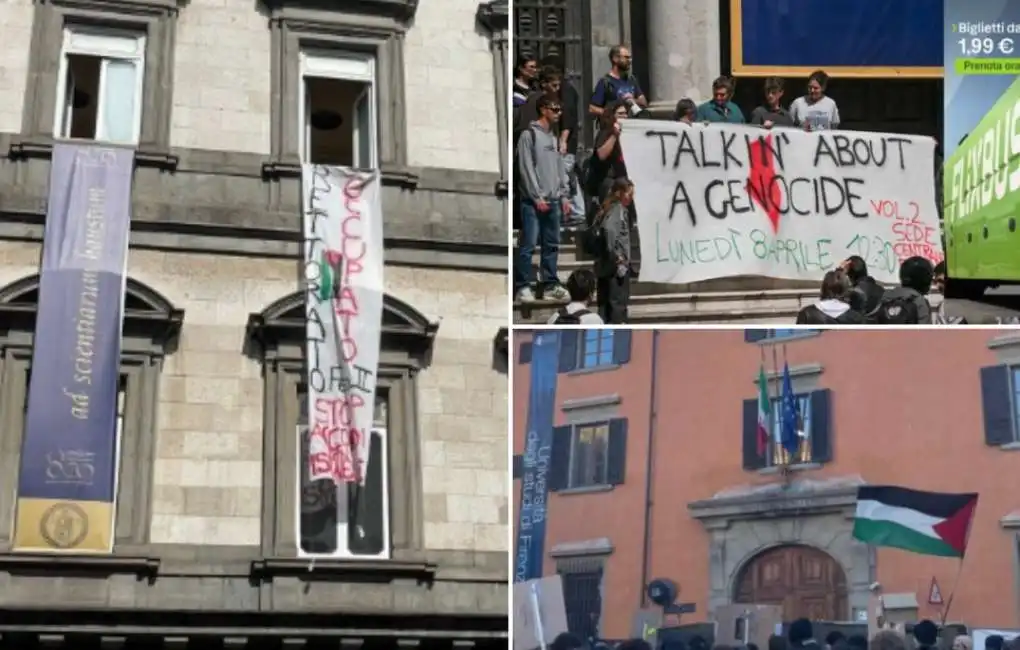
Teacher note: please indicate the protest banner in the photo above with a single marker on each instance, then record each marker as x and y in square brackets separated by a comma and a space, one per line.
[719, 200]
[343, 273]
[540, 614]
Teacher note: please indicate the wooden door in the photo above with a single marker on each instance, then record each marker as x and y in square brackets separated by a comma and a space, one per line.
[808, 583]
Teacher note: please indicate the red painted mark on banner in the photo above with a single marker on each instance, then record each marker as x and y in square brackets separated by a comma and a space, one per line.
[761, 177]
[354, 250]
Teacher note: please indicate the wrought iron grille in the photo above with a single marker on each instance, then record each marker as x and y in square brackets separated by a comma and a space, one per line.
[582, 597]
[557, 30]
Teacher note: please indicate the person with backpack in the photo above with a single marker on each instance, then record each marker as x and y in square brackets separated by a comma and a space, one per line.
[581, 287]
[544, 198]
[613, 264]
[906, 304]
[618, 85]
[867, 292]
[551, 82]
[606, 162]
[832, 307]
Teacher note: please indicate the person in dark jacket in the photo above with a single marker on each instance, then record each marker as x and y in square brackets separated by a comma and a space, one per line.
[833, 306]
[910, 298]
[926, 634]
[802, 634]
[772, 113]
[832, 638]
[869, 292]
[613, 266]
[777, 642]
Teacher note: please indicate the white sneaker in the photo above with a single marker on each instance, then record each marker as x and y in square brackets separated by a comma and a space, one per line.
[526, 295]
[556, 294]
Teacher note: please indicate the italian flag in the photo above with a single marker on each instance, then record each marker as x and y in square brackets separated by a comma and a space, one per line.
[764, 411]
[931, 523]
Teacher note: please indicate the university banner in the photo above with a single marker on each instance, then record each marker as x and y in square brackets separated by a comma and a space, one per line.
[530, 551]
[846, 38]
[343, 272]
[67, 482]
[720, 200]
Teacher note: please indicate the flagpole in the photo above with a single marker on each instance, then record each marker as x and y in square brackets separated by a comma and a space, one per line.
[777, 421]
[952, 592]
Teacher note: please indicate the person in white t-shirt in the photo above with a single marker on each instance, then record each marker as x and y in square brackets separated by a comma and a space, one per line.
[815, 111]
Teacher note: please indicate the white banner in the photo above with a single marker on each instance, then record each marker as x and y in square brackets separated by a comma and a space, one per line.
[722, 200]
[343, 275]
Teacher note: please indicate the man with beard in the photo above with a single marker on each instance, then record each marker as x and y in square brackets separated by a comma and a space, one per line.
[618, 85]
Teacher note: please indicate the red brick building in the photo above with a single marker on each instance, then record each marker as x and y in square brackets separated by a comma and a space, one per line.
[653, 468]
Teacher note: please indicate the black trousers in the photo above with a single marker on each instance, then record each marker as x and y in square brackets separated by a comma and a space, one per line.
[613, 299]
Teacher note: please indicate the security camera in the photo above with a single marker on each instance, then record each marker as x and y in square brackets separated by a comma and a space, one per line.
[875, 586]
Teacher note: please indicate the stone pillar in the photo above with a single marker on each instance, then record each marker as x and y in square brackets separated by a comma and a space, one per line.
[683, 50]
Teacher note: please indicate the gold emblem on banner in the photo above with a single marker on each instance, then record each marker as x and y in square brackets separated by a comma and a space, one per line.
[64, 525]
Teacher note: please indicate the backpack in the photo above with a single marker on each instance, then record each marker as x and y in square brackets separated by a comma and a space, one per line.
[565, 318]
[899, 310]
[592, 237]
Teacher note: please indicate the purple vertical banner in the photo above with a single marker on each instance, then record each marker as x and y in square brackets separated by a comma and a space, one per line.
[67, 481]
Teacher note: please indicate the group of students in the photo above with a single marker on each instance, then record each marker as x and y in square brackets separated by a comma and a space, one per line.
[554, 187]
[850, 296]
[924, 635]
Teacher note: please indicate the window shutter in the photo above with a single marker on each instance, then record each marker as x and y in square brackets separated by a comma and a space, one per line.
[821, 426]
[616, 469]
[997, 405]
[518, 466]
[559, 462]
[568, 349]
[752, 459]
[753, 336]
[366, 505]
[621, 346]
[524, 353]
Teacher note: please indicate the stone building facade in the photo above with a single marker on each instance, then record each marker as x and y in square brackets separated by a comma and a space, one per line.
[655, 470]
[209, 542]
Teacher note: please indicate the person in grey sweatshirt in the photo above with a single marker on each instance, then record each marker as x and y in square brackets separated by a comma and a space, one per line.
[545, 199]
[613, 266]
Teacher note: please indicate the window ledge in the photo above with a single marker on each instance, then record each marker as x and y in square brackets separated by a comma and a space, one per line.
[1010, 340]
[105, 565]
[594, 369]
[784, 339]
[403, 177]
[355, 570]
[588, 489]
[42, 149]
[802, 467]
[1010, 446]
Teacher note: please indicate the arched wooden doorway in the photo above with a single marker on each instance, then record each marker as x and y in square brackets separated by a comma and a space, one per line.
[807, 582]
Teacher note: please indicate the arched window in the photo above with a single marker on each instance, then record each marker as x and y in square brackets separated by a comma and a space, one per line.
[150, 330]
[383, 518]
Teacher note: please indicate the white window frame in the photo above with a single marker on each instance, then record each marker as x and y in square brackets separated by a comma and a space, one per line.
[342, 66]
[343, 552]
[107, 44]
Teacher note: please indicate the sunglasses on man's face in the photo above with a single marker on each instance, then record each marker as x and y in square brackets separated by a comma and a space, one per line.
[554, 109]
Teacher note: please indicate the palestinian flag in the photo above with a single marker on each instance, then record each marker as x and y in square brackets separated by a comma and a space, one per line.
[930, 523]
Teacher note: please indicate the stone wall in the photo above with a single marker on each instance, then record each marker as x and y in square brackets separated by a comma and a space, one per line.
[208, 472]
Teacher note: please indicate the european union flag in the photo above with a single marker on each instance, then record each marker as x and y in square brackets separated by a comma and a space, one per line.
[790, 422]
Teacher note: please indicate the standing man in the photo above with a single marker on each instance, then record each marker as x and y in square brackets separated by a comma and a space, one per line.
[524, 78]
[619, 85]
[544, 199]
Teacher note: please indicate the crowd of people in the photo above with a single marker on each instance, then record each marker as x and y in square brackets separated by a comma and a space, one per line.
[800, 635]
[557, 187]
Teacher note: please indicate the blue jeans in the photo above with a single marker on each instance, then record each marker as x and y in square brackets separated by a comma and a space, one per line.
[538, 228]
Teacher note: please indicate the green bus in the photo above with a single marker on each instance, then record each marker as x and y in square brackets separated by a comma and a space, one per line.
[981, 202]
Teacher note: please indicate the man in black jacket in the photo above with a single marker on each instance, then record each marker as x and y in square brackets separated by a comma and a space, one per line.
[868, 293]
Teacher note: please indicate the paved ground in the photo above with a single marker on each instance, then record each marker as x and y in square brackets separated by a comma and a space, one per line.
[998, 307]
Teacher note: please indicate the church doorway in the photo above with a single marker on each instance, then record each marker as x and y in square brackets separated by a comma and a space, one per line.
[807, 582]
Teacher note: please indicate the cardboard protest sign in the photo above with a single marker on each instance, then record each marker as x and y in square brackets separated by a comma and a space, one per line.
[738, 625]
[723, 200]
[539, 612]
